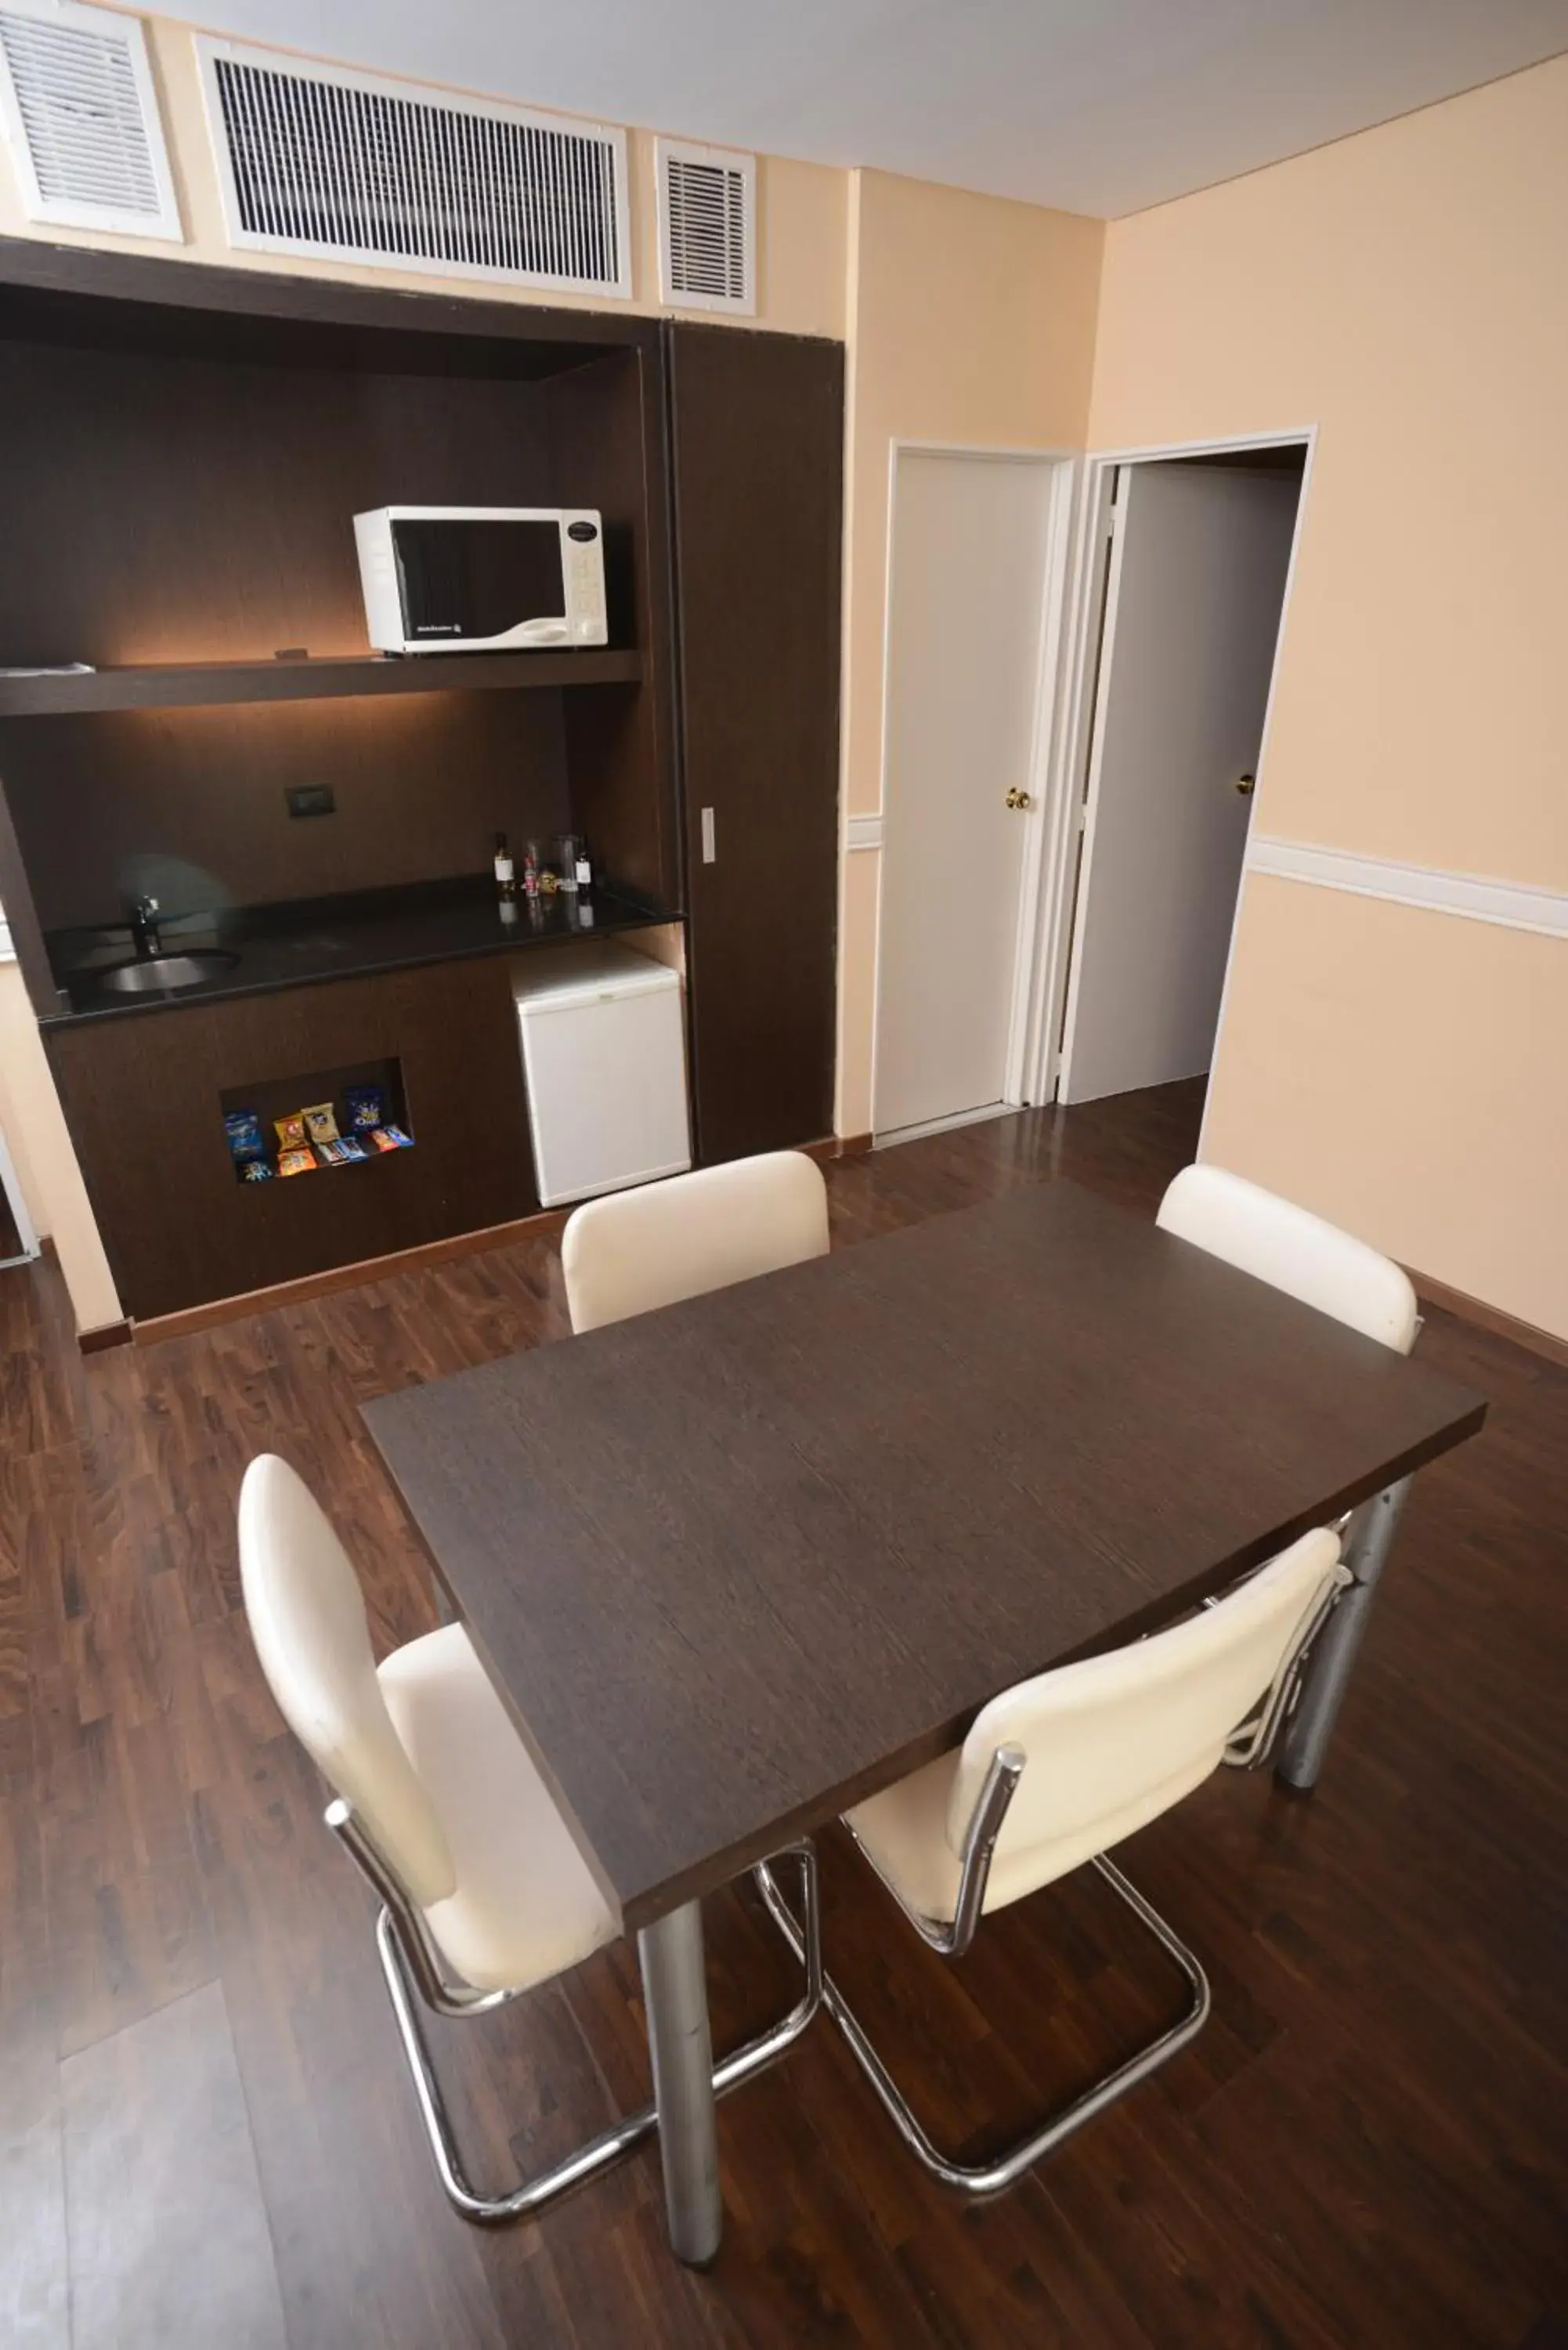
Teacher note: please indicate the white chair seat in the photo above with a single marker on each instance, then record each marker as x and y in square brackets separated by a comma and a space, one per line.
[903, 1832]
[527, 1907]
[437, 1800]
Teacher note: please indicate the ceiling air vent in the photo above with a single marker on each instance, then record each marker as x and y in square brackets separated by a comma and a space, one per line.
[81, 119]
[707, 227]
[318, 160]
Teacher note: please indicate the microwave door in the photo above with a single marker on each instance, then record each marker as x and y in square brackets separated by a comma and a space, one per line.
[478, 582]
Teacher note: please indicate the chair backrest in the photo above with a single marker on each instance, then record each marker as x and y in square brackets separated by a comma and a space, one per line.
[1293, 1251]
[1117, 1739]
[307, 1619]
[631, 1251]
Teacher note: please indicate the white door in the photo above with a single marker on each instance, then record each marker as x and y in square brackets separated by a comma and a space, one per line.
[1192, 620]
[965, 610]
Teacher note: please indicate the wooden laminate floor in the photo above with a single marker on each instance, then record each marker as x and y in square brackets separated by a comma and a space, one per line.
[206, 2136]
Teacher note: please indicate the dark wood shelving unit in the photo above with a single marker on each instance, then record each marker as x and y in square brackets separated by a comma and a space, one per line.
[183, 450]
[198, 684]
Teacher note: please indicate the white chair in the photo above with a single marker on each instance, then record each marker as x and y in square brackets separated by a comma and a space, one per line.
[484, 1894]
[1293, 1251]
[631, 1251]
[1298, 1252]
[1057, 1770]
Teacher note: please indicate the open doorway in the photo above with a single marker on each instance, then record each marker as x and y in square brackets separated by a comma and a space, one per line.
[1191, 555]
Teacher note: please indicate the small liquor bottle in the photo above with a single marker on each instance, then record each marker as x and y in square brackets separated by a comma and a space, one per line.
[531, 868]
[506, 879]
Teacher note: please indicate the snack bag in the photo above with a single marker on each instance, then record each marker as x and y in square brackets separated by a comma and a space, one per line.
[349, 1146]
[381, 1137]
[246, 1139]
[321, 1122]
[301, 1160]
[398, 1140]
[366, 1105]
[255, 1171]
[290, 1131]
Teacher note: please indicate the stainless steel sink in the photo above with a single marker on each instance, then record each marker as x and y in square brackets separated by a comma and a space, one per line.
[160, 975]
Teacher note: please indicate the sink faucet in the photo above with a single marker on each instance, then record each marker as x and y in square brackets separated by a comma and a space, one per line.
[144, 933]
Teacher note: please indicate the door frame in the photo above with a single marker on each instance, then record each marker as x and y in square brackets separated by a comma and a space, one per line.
[19, 1209]
[1085, 680]
[1045, 773]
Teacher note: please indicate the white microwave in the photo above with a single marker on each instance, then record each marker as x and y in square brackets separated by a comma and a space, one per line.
[465, 579]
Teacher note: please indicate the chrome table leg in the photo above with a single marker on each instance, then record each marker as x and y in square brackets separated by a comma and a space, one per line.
[680, 2043]
[1310, 1724]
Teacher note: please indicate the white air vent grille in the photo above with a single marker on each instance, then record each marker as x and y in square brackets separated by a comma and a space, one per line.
[318, 160]
[81, 119]
[707, 227]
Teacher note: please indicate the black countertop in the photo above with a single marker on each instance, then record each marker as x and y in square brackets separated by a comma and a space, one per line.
[297, 944]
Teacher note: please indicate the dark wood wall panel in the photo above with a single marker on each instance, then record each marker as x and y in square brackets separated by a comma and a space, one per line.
[757, 431]
[142, 1099]
[164, 508]
[163, 504]
[606, 427]
[21, 916]
[190, 804]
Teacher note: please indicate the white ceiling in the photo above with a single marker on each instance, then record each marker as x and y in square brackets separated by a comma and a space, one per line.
[1098, 106]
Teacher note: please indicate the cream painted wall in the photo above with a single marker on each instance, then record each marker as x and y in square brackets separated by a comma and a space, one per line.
[970, 321]
[1402, 290]
[801, 212]
[1364, 1073]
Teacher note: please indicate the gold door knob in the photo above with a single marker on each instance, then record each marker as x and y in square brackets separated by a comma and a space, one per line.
[1246, 786]
[1017, 800]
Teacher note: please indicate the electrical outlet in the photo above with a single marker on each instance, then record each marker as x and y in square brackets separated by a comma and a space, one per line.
[310, 799]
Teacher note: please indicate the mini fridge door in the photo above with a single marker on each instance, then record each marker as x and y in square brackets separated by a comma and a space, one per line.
[603, 1055]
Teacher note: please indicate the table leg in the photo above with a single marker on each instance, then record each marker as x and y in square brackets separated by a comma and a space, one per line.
[680, 2044]
[1328, 1668]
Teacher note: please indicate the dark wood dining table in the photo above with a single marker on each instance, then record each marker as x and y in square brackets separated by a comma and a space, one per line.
[735, 1564]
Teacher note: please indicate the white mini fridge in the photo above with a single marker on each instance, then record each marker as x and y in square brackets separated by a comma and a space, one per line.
[603, 1053]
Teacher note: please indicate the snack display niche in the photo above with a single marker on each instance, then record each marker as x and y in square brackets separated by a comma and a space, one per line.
[145, 1098]
[326, 1122]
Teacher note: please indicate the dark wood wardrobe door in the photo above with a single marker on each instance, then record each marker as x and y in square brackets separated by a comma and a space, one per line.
[757, 425]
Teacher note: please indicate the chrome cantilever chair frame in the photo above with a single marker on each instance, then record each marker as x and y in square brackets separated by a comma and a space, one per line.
[952, 1939]
[1252, 1746]
[1254, 1743]
[411, 1964]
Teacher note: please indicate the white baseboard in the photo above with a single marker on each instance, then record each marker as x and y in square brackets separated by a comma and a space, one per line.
[944, 1125]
